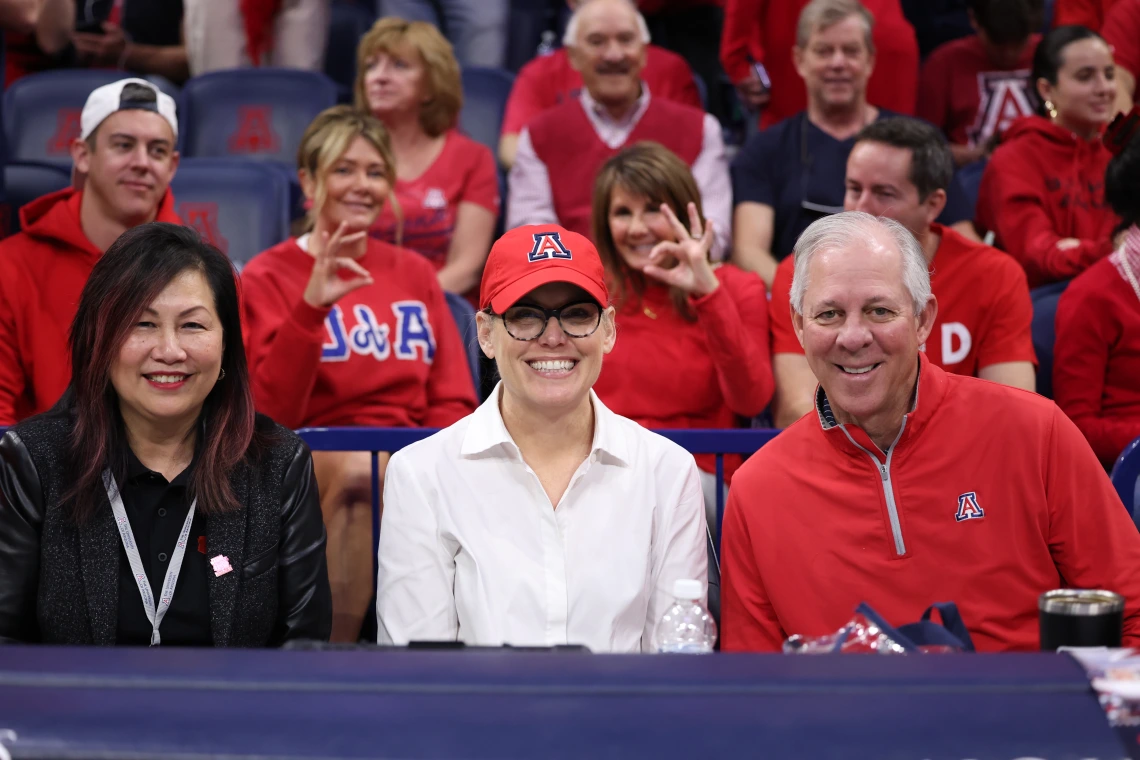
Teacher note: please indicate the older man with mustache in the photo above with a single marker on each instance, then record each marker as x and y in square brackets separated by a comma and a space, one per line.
[561, 150]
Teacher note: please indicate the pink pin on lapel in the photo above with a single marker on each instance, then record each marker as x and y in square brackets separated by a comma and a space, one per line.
[221, 564]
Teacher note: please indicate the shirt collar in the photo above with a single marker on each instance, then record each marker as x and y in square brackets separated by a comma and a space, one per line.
[827, 417]
[136, 470]
[487, 432]
[599, 112]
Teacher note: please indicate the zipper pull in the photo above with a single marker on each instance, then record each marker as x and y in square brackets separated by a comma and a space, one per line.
[883, 471]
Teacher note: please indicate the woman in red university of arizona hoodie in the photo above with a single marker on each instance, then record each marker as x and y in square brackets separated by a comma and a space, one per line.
[1042, 193]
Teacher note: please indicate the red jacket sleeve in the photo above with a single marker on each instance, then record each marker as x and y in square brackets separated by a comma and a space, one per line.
[784, 340]
[741, 37]
[13, 381]
[934, 90]
[1087, 328]
[1122, 31]
[734, 318]
[450, 391]
[1088, 13]
[748, 622]
[283, 344]
[1007, 335]
[1012, 203]
[1091, 535]
[526, 99]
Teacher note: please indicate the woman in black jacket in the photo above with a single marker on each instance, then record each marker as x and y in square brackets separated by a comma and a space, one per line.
[151, 505]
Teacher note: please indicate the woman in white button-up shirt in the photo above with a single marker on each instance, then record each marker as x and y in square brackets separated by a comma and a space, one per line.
[543, 518]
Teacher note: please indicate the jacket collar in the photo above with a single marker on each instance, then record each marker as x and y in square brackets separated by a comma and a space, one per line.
[488, 433]
[930, 389]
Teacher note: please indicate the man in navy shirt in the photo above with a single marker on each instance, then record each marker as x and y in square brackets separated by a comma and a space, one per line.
[791, 174]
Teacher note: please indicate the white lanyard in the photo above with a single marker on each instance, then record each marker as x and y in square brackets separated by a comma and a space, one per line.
[172, 571]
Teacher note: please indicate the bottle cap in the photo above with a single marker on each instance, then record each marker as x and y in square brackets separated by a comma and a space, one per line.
[686, 588]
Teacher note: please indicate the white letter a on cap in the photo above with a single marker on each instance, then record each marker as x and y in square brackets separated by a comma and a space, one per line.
[949, 355]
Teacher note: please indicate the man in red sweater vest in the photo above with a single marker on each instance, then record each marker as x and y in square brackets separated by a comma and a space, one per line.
[909, 485]
[899, 169]
[548, 80]
[560, 152]
[125, 155]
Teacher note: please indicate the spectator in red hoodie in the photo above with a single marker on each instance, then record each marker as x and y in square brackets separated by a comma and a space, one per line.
[694, 347]
[974, 87]
[1122, 31]
[764, 32]
[126, 157]
[1042, 193]
[549, 80]
[343, 329]
[1096, 357]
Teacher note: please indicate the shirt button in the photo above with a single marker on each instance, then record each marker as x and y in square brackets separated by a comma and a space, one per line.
[162, 512]
[162, 556]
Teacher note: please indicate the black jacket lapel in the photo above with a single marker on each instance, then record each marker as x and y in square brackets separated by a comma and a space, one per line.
[225, 536]
[99, 559]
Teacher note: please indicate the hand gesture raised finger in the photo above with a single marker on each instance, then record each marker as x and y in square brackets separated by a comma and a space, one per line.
[326, 285]
[692, 273]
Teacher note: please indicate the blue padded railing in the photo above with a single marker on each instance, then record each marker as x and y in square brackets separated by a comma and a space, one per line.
[1126, 479]
[375, 440]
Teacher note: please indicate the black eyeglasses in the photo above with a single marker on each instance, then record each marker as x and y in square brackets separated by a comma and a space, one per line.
[578, 320]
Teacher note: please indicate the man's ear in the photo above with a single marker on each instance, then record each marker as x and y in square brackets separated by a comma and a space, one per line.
[81, 156]
[484, 322]
[925, 319]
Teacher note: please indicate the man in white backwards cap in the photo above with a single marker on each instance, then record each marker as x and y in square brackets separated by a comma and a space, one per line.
[126, 156]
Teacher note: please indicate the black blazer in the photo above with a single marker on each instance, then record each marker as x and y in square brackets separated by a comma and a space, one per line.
[59, 583]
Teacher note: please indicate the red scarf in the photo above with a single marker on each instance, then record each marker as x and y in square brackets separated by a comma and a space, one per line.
[259, 15]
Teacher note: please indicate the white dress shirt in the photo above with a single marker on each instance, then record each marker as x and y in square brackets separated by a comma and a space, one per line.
[530, 200]
[472, 550]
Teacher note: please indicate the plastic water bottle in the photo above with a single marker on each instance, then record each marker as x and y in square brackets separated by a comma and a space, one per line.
[546, 46]
[686, 627]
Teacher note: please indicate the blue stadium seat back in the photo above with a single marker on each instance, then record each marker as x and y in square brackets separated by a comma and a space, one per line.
[1126, 479]
[1044, 331]
[970, 180]
[165, 85]
[42, 110]
[242, 207]
[485, 93]
[27, 181]
[348, 23]
[464, 314]
[256, 114]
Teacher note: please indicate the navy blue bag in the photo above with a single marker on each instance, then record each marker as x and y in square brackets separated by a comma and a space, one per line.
[912, 637]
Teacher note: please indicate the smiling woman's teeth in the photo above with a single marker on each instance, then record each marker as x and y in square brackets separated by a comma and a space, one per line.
[166, 378]
[552, 366]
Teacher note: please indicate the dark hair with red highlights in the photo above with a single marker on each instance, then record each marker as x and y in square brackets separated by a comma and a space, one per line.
[125, 281]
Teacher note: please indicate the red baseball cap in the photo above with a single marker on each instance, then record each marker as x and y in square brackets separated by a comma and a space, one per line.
[528, 257]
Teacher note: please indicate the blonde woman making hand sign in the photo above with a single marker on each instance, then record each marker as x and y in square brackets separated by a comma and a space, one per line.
[347, 330]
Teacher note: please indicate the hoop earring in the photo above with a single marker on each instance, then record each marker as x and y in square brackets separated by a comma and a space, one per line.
[1051, 109]
[223, 375]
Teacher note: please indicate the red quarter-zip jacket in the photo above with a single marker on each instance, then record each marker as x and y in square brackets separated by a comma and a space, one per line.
[988, 497]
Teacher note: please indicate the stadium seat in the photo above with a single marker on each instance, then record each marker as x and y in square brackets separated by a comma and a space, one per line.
[41, 112]
[26, 181]
[464, 314]
[485, 93]
[242, 207]
[256, 114]
[348, 23]
[1126, 479]
[1044, 330]
[969, 178]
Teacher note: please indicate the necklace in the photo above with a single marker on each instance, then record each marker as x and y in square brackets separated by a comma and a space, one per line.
[1128, 273]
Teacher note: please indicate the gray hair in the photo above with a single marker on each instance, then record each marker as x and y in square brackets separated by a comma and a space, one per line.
[821, 14]
[851, 228]
[570, 36]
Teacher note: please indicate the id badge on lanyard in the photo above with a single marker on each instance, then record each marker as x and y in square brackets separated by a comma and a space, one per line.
[154, 613]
